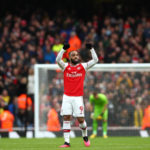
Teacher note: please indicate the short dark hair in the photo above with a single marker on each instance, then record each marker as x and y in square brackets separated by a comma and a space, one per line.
[71, 52]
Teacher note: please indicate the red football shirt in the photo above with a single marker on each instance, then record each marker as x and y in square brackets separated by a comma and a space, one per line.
[74, 80]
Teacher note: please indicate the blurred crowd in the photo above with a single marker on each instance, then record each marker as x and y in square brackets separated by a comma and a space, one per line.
[127, 92]
[38, 39]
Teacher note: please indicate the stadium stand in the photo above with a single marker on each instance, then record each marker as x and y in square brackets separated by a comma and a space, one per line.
[117, 38]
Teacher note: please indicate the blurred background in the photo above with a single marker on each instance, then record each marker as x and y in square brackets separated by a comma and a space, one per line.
[33, 32]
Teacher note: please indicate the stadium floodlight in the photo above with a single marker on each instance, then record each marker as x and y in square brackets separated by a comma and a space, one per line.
[49, 81]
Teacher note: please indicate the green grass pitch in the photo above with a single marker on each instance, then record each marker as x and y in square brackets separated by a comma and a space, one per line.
[112, 143]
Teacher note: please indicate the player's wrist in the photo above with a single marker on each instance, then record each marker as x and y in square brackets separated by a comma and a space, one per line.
[92, 49]
[63, 50]
[89, 46]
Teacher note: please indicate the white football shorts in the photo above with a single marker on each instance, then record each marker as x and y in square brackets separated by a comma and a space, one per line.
[72, 105]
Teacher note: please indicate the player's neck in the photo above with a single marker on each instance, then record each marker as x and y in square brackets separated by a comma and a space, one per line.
[71, 64]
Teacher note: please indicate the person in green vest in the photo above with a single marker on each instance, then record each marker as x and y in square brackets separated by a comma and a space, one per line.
[57, 46]
[99, 106]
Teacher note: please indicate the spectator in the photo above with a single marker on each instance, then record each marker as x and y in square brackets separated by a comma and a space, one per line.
[25, 114]
[74, 41]
[5, 97]
[146, 118]
[6, 119]
[57, 46]
[2, 104]
[128, 106]
[13, 108]
[53, 123]
[138, 116]
[124, 118]
[25, 42]
[30, 86]
[49, 55]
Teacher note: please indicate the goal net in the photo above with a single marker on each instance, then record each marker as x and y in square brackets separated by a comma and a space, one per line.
[126, 86]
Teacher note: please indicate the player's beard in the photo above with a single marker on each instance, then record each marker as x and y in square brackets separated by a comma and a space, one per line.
[74, 61]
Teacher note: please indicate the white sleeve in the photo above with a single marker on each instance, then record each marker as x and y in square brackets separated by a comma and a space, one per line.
[59, 60]
[92, 62]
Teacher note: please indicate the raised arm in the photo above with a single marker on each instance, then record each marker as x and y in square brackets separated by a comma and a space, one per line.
[59, 60]
[94, 59]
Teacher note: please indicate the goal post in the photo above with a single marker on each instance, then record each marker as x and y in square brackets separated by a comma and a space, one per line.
[49, 83]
